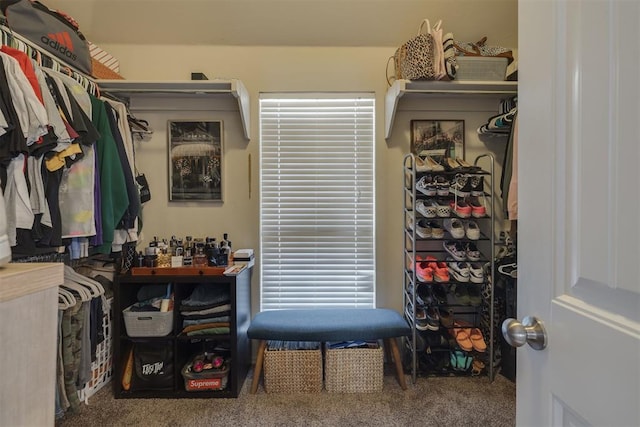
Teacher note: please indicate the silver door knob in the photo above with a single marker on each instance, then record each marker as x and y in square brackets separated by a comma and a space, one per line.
[530, 331]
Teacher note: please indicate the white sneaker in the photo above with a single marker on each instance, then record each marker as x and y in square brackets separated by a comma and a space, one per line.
[454, 226]
[476, 272]
[426, 210]
[472, 230]
[459, 271]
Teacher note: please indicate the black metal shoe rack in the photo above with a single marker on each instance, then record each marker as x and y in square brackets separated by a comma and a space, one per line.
[428, 353]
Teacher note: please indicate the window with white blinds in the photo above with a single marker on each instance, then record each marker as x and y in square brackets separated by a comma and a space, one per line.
[317, 202]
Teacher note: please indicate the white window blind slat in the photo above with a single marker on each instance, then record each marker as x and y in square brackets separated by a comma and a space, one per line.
[317, 201]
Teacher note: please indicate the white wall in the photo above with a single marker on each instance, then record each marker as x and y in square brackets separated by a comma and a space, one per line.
[284, 69]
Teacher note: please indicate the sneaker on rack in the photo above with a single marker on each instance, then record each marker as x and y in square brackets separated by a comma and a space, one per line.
[424, 272]
[443, 210]
[421, 318]
[461, 185]
[454, 226]
[461, 208]
[472, 252]
[477, 208]
[433, 319]
[423, 229]
[436, 230]
[459, 270]
[423, 295]
[442, 185]
[439, 293]
[476, 272]
[426, 209]
[472, 230]
[427, 186]
[455, 249]
[477, 185]
[440, 270]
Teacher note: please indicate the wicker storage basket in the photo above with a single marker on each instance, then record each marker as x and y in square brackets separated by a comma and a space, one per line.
[293, 371]
[354, 370]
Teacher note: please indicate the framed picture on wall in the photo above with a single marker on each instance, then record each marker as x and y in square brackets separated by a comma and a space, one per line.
[437, 138]
[195, 160]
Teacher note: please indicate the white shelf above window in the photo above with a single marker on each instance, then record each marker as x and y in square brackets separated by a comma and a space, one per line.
[232, 88]
[402, 90]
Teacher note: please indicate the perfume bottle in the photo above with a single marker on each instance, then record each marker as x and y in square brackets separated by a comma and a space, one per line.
[200, 258]
[212, 252]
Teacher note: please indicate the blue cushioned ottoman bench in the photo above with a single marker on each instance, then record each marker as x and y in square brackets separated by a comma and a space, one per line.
[328, 324]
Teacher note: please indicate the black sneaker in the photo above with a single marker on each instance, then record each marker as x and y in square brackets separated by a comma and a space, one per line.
[477, 185]
[439, 293]
[461, 185]
[433, 319]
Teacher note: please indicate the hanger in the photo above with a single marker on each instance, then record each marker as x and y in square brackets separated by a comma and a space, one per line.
[510, 270]
[78, 289]
[94, 288]
[139, 125]
[65, 299]
[139, 128]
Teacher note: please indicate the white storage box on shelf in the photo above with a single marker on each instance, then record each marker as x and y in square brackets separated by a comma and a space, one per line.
[481, 68]
[147, 323]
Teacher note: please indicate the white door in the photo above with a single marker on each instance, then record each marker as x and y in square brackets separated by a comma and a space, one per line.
[579, 211]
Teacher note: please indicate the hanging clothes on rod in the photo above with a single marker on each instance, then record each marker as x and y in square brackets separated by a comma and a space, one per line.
[54, 131]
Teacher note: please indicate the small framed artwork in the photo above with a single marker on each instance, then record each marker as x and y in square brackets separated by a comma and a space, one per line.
[437, 138]
[195, 160]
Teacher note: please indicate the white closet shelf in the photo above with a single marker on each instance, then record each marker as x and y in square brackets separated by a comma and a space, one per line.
[232, 88]
[402, 90]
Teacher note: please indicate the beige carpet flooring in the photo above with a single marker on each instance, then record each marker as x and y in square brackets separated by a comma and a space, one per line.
[434, 401]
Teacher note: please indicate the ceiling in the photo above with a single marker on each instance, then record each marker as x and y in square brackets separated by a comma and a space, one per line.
[287, 22]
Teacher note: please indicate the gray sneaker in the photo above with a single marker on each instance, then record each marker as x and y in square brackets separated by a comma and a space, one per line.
[454, 226]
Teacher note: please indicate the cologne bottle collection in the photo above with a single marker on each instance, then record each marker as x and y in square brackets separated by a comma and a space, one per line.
[187, 252]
